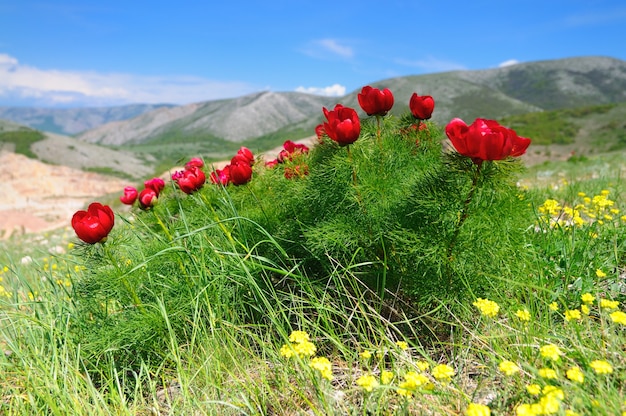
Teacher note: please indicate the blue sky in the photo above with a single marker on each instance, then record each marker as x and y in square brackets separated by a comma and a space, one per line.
[94, 53]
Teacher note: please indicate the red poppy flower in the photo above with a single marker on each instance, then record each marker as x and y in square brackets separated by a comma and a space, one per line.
[240, 171]
[147, 198]
[343, 125]
[130, 195]
[485, 140]
[95, 224]
[246, 154]
[421, 106]
[290, 150]
[374, 101]
[156, 184]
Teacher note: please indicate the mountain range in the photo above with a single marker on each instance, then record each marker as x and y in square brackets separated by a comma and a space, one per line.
[158, 135]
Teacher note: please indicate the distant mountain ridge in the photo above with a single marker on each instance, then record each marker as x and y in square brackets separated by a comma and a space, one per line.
[70, 121]
[491, 93]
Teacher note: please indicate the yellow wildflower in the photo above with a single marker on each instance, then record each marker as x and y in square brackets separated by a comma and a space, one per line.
[412, 381]
[550, 351]
[508, 367]
[575, 374]
[386, 377]
[367, 382]
[549, 404]
[554, 306]
[475, 409]
[287, 351]
[323, 365]
[588, 298]
[525, 410]
[487, 307]
[365, 354]
[442, 372]
[403, 345]
[547, 373]
[523, 315]
[585, 309]
[601, 367]
[422, 365]
[298, 336]
[569, 412]
[305, 348]
[572, 314]
[618, 317]
[582, 194]
[553, 391]
[534, 389]
[600, 273]
[609, 304]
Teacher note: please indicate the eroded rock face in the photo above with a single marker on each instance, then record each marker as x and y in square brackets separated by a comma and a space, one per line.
[36, 197]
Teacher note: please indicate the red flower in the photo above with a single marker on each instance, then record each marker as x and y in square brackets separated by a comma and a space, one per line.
[130, 195]
[421, 106]
[95, 224]
[246, 154]
[221, 176]
[320, 132]
[190, 180]
[485, 140]
[290, 150]
[194, 162]
[343, 125]
[147, 198]
[374, 101]
[271, 163]
[240, 170]
[156, 184]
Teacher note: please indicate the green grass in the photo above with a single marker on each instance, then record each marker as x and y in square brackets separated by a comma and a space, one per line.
[188, 308]
[22, 139]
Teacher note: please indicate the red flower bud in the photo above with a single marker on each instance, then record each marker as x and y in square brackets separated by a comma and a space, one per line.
[95, 224]
[320, 132]
[240, 171]
[247, 154]
[374, 101]
[130, 195]
[156, 184]
[343, 125]
[485, 140]
[147, 198]
[194, 162]
[221, 176]
[421, 106]
[190, 180]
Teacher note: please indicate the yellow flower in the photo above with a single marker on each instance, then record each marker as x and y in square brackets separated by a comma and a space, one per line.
[549, 404]
[553, 391]
[533, 389]
[609, 304]
[442, 372]
[582, 194]
[550, 351]
[585, 309]
[365, 354]
[422, 365]
[475, 409]
[386, 377]
[569, 412]
[547, 373]
[525, 410]
[323, 365]
[554, 306]
[412, 381]
[305, 348]
[618, 317]
[572, 314]
[523, 315]
[588, 298]
[575, 374]
[367, 382]
[601, 367]
[287, 351]
[402, 345]
[298, 336]
[600, 273]
[508, 367]
[487, 307]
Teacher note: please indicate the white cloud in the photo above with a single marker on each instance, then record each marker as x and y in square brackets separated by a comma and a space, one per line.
[328, 48]
[431, 64]
[508, 63]
[335, 90]
[31, 85]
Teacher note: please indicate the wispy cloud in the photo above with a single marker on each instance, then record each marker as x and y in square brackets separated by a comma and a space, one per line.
[28, 84]
[508, 63]
[596, 18]
[328, 48]
[431, 64]
[335, 90]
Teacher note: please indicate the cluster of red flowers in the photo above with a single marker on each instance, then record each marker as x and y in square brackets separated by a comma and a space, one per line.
[481, 141]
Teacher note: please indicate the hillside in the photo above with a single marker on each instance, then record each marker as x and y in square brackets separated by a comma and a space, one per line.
[492, 93]
[70, 121]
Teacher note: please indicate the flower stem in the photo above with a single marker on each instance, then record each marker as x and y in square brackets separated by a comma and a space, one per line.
[464, 211]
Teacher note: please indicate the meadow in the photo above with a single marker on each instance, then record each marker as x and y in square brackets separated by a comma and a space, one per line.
[387, 276]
